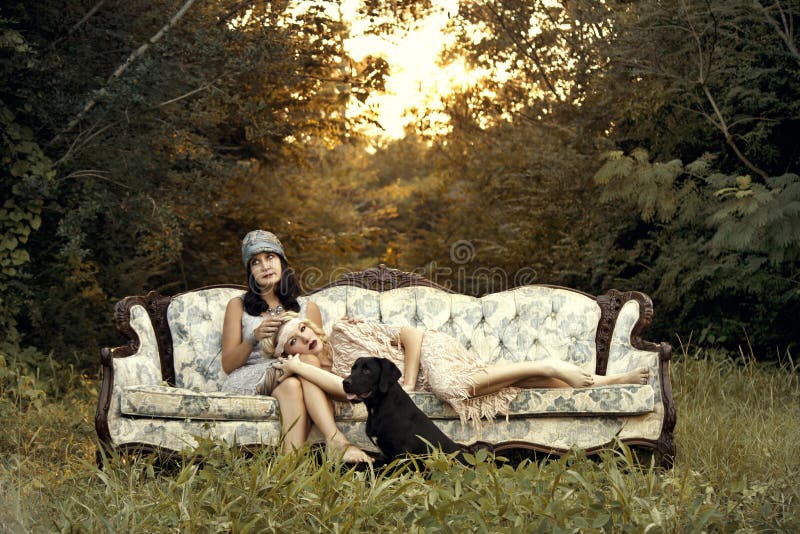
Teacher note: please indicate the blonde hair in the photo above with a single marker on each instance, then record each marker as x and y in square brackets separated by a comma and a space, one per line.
[270, 344]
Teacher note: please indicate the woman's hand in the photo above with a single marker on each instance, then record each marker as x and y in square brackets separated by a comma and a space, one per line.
[267, 329]
[288, 365]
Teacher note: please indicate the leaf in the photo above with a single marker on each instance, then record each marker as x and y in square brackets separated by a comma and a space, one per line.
[20, 256]
[640, 155]
[743, 182]
[601, 521]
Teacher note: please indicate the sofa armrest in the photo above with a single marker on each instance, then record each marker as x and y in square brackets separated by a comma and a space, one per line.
[143, 366]
[627, 350]
[625, 338]
[136, 363]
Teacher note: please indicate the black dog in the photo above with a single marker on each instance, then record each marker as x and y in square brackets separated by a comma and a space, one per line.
[394, 422]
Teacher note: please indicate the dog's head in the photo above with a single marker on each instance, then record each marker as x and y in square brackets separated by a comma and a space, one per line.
[370, 376]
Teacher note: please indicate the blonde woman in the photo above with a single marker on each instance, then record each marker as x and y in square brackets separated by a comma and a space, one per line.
[430, 361]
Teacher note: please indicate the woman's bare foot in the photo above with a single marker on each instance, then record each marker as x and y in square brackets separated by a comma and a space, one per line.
[354, 455]
[349, 453]
[408, 388]
[570, 373]
[637, 376]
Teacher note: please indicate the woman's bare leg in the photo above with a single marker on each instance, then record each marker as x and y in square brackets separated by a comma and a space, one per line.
[547, 374]
[294, 418]
[305, 367]
[529, 374]
[320, 407]
[541, 382]
[411, 340]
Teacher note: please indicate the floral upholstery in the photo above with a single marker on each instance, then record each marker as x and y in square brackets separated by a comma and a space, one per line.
[195, 321]
[527, 323]
[605, 400]
[144, 367]
[556, 432]
[621, 337]
[177, 403]
[531, 322]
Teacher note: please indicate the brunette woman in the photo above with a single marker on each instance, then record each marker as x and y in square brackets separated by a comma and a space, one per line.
[255, 316]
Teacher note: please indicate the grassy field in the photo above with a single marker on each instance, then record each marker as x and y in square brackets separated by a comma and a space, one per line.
[738, 441]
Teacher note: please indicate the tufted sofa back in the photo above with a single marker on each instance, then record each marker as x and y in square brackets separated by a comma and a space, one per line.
[526, 323]
[195, 322]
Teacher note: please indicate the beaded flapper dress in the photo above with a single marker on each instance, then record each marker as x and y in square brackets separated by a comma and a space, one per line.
[447, 368]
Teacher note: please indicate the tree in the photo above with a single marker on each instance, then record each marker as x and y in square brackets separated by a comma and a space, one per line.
[658, 82]
[719, 231]
[158, 119]
[26, 173]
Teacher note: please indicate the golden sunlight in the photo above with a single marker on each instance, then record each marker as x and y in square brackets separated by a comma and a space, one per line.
[417, 80]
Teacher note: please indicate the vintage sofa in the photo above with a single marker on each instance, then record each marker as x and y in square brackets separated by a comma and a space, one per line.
[160, 391]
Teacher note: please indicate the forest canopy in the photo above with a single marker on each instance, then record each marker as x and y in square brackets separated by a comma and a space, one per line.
[637, 145]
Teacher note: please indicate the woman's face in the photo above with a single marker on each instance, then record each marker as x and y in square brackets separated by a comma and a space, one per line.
[266, 269]
[303, 341]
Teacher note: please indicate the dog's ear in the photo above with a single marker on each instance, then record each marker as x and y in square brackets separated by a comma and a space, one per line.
[389, 373]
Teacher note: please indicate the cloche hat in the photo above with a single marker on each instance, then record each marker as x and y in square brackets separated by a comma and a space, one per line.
[259, 241]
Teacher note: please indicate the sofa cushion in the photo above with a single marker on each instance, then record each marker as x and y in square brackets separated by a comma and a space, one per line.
[178, 403]
[625, 399]
[538, 322]
[166, 401]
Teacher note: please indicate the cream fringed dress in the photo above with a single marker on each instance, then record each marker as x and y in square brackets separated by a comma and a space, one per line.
[447, 368]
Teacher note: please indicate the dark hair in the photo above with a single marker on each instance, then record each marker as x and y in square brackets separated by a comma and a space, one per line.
[287, 291]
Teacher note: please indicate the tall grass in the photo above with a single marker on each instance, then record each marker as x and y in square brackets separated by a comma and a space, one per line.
[737, 438]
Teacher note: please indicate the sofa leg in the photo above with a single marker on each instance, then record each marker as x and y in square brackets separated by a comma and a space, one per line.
[666, 451]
